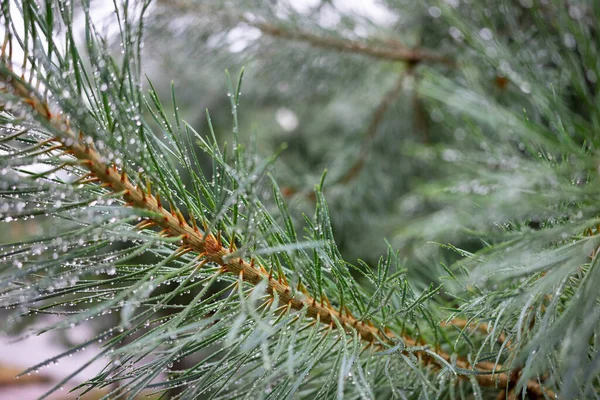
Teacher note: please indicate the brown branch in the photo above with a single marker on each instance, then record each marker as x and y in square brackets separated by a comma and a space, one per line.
[210, 248]
[372, 128]
[376, 120]
[482, 327]
[9, 376]
[394, 52]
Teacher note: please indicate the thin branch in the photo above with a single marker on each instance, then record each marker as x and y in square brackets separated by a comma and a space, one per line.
[376, 120]
[391, 52]
[212, 250]
[481, 327]
[8, 376]
[372, 128]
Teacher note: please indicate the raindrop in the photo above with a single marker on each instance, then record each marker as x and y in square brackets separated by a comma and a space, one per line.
[575, 12]
[435, 12]
[525, 87]
[527, 3]
[486, 34]
[455, 33]
[569, 40]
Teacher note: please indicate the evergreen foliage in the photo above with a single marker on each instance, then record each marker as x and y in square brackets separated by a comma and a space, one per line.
[221, 265]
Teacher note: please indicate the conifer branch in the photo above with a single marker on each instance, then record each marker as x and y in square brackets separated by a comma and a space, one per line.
[211, 249]
[173, 223]
[224, 289]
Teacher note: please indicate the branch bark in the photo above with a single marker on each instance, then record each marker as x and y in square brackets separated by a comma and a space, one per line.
[376, 120]
[388, 52]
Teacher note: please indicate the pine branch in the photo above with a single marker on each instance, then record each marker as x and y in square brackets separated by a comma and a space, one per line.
[209, 248]
[230, 202]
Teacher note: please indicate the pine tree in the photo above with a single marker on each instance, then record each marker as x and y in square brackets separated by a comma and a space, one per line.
[464, 132]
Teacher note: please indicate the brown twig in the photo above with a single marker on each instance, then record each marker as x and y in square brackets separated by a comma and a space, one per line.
[390, 52]
[211, 249]
[8, 377]
[372, 128]
[376, 120]
[483, 328]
